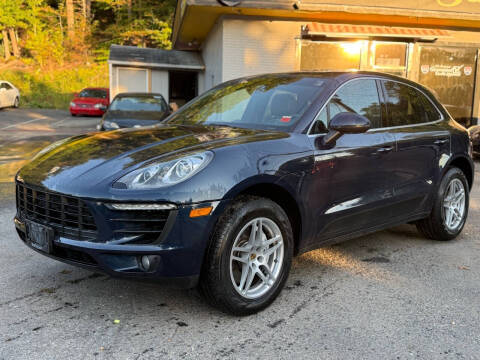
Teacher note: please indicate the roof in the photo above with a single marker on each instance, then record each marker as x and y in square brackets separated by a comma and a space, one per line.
[340, 76]
[155, 58]
[194, 19]
[138, 94]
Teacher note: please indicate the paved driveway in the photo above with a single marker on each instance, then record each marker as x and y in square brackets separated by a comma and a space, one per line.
[390, 295]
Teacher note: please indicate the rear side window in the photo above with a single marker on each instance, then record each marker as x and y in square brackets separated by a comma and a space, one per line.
[408, 106]
[430, 109]
[358, 96]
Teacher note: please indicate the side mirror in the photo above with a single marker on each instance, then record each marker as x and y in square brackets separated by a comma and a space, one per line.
[345, 123]
[75, 94]
[3, 89]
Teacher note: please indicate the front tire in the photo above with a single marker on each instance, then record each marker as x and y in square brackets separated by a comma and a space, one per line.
[450, 209]
[249, 257]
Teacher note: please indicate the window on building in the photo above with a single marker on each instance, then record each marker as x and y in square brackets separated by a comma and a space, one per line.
[316, 55]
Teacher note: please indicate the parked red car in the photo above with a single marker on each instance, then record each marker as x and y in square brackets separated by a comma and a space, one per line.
[90, 101]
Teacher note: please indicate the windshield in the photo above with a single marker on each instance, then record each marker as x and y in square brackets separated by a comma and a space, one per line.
[93, 93]
[273, 102]
[139, 103]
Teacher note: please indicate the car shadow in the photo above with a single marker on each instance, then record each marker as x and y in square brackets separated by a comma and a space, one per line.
[353, 257]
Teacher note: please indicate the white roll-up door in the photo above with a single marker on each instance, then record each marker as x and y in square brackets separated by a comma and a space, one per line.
[131, 80]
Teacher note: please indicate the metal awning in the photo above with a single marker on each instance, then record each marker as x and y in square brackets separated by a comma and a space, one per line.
[155, 58]
[371, 31]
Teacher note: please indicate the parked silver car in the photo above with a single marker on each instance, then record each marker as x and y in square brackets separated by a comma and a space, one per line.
[9, 95]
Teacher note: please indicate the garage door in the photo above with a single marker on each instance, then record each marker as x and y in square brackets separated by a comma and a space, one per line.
[132, 80]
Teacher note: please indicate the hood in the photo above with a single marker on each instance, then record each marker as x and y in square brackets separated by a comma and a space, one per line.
[132, 118]
[85, 161]
[87, 100]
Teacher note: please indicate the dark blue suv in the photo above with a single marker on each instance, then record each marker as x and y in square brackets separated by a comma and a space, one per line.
[224, 192]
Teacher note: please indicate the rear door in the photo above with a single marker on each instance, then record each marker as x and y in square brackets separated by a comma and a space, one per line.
[351, 184]
[423, 145]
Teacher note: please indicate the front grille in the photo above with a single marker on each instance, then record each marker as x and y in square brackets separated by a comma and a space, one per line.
[68, 216]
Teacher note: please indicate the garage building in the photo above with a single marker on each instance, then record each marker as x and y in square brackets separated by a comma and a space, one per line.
[174, 74]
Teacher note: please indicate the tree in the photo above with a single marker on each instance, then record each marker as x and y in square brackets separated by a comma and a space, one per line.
[70, 19]
[13, 39]
[6, 47]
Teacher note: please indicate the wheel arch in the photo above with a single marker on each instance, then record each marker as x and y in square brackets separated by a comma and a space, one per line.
[280, 194]
[465, 165]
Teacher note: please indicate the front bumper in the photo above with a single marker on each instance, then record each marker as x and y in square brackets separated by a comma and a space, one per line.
[86, 111]
[180, 249]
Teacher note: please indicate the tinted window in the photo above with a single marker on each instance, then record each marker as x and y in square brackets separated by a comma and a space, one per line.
[93, 93]
[139, 103]
[432, 112]
[408, 106]
[360, 97]
[267, 102]
[5, 86]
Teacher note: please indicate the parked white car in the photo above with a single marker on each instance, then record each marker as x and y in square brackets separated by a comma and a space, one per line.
[9, 95]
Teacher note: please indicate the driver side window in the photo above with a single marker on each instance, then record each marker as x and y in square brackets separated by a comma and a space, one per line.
[358, 96]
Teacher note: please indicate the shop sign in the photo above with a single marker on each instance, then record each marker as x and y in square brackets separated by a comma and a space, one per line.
[447, 70]
[425, 69]
[468, 70]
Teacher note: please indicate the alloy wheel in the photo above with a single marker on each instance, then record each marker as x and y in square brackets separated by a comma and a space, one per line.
[454, 205]
[256, 258]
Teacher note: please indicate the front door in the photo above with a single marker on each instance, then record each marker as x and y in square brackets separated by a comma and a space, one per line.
[9, 94]
[351, 185]
[3, 95]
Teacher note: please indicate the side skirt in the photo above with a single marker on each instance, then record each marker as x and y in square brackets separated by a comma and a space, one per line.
[356, 234]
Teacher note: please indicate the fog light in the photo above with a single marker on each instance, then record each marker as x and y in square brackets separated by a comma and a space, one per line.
[148, 263]
[145, 263]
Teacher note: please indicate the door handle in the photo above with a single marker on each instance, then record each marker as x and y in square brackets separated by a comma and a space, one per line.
[440, 141]
[385, 149]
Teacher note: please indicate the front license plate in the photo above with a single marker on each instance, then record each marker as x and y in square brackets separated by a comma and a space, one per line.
[39, 236]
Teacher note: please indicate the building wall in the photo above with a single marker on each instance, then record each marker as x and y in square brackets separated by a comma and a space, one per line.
[159, 83]
[259, 46]
[212, 53]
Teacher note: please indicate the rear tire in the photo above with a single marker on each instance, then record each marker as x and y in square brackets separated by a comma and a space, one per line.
[450, 208]
[16, 103]
[249, 257]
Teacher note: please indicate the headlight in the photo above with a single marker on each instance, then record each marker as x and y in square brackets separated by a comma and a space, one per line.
[159, 175]
[72, 104]
[110, 125]
[99, 106]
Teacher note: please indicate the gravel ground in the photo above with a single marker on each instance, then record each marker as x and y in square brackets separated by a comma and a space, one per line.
[390, 295]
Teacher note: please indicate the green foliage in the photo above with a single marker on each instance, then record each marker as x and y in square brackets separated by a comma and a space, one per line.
[46, 46]
[42, 27]
[54, 63]
[55, 88]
